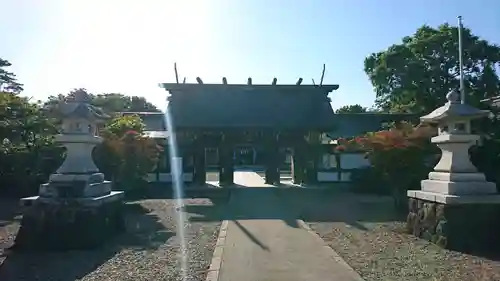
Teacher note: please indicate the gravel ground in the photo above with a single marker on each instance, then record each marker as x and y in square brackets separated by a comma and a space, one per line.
[148, 251]
[370, 238]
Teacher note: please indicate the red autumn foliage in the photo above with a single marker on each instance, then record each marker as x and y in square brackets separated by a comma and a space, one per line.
[399, 155]
[340, 148]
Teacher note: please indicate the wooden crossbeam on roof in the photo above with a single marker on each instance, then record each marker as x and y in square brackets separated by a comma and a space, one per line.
[275, 80]
[256, 87]
[299, 81]
[249, 81]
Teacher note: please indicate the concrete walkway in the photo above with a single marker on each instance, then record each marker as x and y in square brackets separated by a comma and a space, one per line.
[265, 242]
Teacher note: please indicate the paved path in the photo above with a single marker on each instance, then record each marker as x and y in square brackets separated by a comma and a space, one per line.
[265, 243]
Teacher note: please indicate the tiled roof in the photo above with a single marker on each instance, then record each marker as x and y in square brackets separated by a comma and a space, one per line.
[83, 110]
[259, 106]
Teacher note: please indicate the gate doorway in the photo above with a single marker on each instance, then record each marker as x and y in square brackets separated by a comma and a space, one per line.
[245, 155]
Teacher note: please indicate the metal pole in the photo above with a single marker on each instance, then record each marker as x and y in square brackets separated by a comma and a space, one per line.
[460, 61]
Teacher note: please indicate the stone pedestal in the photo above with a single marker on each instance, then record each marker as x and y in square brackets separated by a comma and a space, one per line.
[57, 224]
[467, 224]
[75, 186]
[72, 211]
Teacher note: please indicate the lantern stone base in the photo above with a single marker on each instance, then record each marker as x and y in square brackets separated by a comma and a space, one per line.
[69, 224]
[466, 223]
[459, 187]
[75, 186]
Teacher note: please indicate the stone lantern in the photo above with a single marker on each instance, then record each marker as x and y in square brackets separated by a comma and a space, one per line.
[76, 200]
[456, 204]
[78, 176]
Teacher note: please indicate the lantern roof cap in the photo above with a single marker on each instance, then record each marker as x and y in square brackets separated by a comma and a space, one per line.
[454, 109]
[78, 105]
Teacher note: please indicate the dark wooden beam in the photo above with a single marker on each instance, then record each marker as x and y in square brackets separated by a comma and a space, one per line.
[198, 79]
[299, 81]
[275, 80]
[249, 81]
[322, 75]
[224, 80]
[176, 73]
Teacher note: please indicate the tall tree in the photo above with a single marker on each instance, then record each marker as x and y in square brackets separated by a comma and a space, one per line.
[355, 108]
[8, 80]
[112, 102]
[415, 75]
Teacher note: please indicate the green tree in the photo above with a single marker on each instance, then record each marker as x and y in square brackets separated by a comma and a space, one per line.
[415, 75]
[8, 80]
[355, 108]
[112, 102]
[23, 123]
[28, 153]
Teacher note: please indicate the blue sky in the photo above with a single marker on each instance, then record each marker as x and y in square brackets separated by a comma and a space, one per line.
[129, 46]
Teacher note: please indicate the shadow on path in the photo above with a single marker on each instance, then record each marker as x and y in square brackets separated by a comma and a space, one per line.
[249, 203]
[251, 236]
[292, 204]
[264, 240]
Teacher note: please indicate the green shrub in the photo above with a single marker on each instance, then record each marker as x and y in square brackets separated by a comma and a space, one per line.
[486, 158]
[125, 156]
[369, 181]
